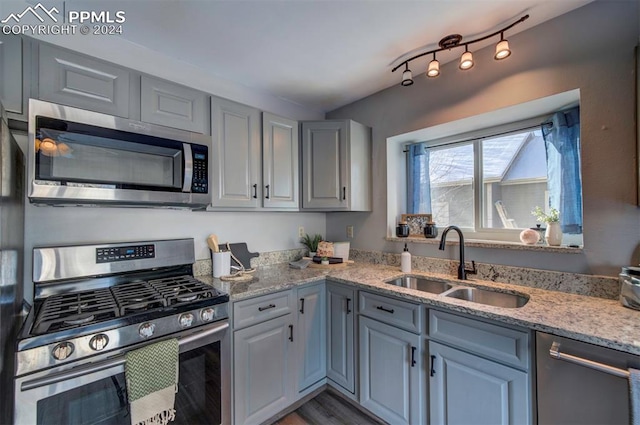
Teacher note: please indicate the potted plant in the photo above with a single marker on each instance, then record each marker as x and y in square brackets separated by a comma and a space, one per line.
[553, 234]
[324, 261]
[311, 242]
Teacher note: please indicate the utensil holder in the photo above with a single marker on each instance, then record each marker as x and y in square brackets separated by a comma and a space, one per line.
[221, 263]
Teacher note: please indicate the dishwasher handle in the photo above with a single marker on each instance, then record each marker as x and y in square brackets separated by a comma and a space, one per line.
[555, 353]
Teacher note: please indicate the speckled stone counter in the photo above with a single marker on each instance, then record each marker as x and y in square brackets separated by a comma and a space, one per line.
[595, 320]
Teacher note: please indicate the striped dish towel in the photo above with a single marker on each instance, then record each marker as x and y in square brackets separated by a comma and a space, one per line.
[152, 382]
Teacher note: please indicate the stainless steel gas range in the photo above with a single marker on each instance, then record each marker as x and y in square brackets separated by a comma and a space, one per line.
[92, 304]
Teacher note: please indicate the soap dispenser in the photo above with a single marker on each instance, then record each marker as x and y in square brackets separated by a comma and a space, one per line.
[405, 260]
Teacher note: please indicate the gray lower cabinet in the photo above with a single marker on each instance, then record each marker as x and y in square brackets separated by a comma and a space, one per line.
[390, 372]
[311, 332]
[173, 105]
[479, 371]
[263, 377]
[468, 389]
[341, 337]
[11, 84]
[76, 80]
[336, 166]
[235, 155]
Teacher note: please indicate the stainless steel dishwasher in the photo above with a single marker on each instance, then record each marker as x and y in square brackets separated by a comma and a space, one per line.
[580, 383]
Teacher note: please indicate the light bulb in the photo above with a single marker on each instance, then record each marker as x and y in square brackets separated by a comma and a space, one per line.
[433, 70]
[407, 77]
[502, 50]
[466, 61]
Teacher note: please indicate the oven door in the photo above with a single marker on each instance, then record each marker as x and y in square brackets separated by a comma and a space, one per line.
[96, 393]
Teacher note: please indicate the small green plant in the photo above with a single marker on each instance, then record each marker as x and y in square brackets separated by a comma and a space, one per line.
[325, 259]
[552, 217]
[311, 242]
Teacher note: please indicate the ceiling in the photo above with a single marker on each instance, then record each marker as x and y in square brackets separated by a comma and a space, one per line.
[320, 54]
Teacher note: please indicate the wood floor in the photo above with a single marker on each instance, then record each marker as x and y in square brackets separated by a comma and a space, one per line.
[326, 409]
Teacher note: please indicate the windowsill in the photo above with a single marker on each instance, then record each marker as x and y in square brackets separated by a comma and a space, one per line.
[475, 243]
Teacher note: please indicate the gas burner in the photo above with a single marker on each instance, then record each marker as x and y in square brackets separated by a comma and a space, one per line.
[80, 320]
[182, 289]
[136, 296]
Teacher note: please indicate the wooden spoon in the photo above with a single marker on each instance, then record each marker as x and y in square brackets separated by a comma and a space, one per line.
[212, 241]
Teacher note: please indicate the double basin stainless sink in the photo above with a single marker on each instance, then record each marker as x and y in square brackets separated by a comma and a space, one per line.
[476, 295]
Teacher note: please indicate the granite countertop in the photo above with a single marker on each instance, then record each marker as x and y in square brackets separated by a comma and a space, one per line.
[595, 320]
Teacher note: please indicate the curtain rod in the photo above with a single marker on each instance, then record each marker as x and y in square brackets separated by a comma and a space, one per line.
[531, 127]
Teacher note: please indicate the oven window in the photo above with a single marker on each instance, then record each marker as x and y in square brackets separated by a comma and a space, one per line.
[104, 402]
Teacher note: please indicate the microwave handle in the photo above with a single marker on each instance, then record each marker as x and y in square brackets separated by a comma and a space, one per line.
[188, 167]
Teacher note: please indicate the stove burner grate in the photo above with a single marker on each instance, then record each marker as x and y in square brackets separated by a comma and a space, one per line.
[135, 296]
[182, 289]
[70, 310]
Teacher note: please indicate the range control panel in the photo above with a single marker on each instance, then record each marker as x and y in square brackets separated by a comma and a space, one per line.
[125, 253]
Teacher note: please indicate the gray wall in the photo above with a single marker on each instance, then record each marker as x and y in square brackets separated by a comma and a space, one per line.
[592, 49]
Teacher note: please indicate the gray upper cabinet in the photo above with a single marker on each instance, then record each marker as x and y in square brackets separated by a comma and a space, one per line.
[11, 83]
[235, 155]
[280, 173]
[311, 335]
[76, 80]
[173, 105]
[340, 336]
[336, 166]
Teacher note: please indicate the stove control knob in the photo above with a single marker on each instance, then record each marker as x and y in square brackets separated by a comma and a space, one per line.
[98, 342]
[186, 320]
[207, 314]
[62, 351]
[146, 329]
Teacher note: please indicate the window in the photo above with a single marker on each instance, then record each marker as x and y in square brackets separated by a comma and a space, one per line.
[489, 184]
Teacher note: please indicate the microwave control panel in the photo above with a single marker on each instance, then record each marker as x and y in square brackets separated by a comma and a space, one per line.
[200, 181]
[125, 253]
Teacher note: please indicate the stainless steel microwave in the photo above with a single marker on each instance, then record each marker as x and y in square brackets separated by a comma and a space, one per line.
[78, 157]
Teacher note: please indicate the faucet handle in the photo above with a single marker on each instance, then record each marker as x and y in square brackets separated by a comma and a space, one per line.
[473, 268]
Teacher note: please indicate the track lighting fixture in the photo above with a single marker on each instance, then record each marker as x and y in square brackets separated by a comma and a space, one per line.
[433, 70]
[407, 79]
[466, 60]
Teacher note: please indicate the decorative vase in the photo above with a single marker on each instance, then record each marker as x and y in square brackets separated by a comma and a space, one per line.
[324, 262]
[312, 254]
[553, 234]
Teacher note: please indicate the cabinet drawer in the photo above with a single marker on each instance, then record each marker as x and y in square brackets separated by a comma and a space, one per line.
[257, 310]
[505, 345]
[398, 313]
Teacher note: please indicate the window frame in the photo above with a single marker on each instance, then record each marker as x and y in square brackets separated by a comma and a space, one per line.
[476, 137]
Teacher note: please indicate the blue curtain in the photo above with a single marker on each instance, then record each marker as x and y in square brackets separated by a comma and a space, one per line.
[418, 184]
[562, 144]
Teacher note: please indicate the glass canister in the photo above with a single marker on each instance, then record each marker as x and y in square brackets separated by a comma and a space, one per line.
[402, 229]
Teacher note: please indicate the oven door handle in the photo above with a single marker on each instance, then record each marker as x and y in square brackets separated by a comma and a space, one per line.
[116, 361]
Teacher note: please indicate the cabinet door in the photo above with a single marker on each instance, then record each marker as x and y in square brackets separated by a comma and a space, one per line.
[390, 372]
[468, 389]
[311, 335]
[279, 162]
[11, 73]
[262, 373]
[340, 336]
[324, 151]
[235, 159]
[76, 80]
[172, 105]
